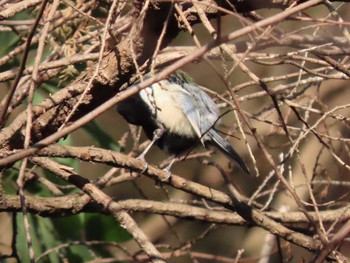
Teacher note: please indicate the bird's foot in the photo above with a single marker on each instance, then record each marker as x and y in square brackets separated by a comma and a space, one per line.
[167, 170]
[159, 183]
[141, 157]
[156, 135]
[168, 175]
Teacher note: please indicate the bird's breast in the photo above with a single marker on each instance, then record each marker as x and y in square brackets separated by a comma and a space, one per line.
[165, 104]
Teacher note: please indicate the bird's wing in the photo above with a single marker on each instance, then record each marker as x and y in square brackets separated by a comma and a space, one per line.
[208, 112]
[199, 109]
[190, 110]
[227, 149]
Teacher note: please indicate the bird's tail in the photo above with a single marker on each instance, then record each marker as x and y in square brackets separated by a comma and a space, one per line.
[227, 149]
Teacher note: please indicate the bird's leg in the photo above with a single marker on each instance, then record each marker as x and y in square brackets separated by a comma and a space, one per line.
[156, 135]
[168, 167]
[159, 183]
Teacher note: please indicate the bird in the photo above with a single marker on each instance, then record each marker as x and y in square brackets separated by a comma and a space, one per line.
[176, 114]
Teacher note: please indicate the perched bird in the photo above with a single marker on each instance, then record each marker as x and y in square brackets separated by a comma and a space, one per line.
[176, 114]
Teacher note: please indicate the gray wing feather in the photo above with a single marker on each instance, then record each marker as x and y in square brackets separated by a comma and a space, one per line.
[227, 149]
[205, 109]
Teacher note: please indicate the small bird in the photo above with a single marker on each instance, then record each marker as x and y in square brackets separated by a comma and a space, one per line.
[176, 114]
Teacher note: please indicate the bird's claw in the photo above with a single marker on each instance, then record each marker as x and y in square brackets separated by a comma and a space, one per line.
[167, 170]
[145, 163]
[168, 175]
[159, 183]
[145, 167]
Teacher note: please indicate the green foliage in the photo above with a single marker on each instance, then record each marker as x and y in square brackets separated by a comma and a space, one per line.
[102, 227]
[9, 178]
[49, 233]
[103, 139]
[8, 41]
[42, 236]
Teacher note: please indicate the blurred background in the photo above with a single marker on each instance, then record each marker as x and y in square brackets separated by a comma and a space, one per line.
[303, 59]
